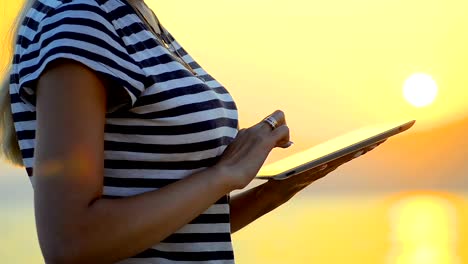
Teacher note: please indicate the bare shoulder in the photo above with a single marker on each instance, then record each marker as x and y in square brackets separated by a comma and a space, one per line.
[70, 73]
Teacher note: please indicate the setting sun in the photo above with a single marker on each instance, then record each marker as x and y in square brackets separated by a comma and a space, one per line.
[420, 89]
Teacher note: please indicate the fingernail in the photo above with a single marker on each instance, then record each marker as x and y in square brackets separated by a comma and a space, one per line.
[323, 167]
[287, 145]
[357, 154]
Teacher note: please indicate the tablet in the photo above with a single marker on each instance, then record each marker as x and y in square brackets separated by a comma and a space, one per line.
[316, 156]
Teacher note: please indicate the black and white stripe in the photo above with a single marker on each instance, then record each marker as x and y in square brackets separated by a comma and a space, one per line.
[174, 125]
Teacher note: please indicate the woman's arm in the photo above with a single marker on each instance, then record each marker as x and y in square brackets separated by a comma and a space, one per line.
[76, 225]
[250, 205]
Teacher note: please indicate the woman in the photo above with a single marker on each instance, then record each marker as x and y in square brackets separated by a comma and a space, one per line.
[131, 147]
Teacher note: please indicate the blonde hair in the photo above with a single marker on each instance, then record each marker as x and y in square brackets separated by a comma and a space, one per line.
[9, 147]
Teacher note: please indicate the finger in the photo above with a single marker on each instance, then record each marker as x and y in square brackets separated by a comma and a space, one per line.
[312, 175]
[381, 141]
[318, 169]
[359, 153]
[324, 166]
[364, 151]
[280, 136]
[278, 115]
[286, 145]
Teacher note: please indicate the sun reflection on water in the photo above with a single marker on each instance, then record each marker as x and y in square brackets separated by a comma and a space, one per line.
[423, 231]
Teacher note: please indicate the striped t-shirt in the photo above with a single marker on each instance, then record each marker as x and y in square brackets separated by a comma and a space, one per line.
[168, 125]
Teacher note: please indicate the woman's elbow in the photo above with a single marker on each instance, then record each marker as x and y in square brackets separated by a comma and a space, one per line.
[73, 249]
[60, 253]
[63, 247]
[55, 258]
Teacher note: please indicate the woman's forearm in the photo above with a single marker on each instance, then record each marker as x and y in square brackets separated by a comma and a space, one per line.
[115, 229]
[250, 205]
[246, 207]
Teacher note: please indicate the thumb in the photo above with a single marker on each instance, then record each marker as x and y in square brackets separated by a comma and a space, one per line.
[280, 137]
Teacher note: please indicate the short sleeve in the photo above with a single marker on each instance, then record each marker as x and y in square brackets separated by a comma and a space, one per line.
[83, 32]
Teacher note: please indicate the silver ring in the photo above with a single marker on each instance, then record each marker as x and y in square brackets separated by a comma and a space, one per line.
[270, 120]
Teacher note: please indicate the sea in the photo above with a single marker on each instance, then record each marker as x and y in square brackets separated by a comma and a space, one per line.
[406, 227]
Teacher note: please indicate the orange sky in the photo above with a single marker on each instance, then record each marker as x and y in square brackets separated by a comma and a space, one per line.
[336, 63]
[331, 65]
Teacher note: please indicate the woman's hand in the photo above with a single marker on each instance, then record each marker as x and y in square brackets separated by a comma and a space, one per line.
[245, 155]
[287, 188]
